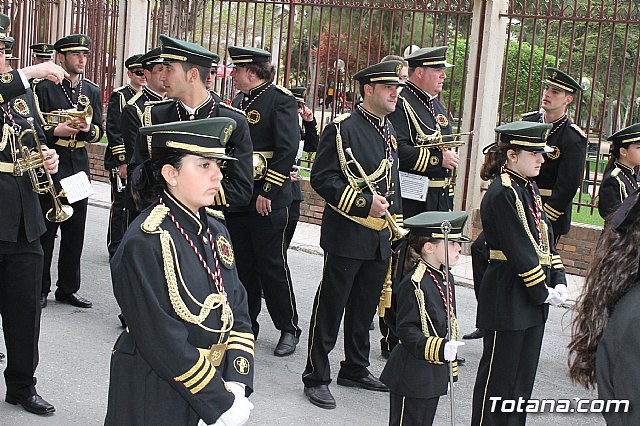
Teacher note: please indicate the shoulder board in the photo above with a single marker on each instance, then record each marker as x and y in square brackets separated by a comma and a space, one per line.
[419, 273]
[216, 214]
[577, 128]
[505, 179]
[527, 114]
[119, 88]
[340, 118]
[615, 172]
[154, 103]
[155, 218]
[36, 81]
[232, 108]
[134, 98]
[91, 82]
[284, 90]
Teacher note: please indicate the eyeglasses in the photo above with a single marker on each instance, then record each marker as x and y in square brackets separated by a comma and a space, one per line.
[213, 72]
[139, 73]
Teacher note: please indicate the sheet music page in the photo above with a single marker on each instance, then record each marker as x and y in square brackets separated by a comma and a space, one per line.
[414, 187]
[77, 187]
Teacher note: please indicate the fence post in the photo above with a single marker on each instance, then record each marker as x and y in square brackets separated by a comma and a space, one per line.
[133, 18]
[488, 35]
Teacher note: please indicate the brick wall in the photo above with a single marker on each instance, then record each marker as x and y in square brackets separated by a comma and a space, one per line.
[96, 161]
[576, 248]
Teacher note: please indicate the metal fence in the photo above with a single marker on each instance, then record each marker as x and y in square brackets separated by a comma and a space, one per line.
[596, 42]
[35, 21]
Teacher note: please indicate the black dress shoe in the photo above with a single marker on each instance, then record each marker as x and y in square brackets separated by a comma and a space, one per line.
[74, 300]
[478, 333]
[43, 301]
[385, 353]
[286, 345]
[34, 404]
[461, 361]
[369, 383]
[320, 396]
[2, 357]
[372, 326]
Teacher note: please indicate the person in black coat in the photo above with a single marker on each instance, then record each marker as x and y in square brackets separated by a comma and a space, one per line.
[115, 154]
[21, 256]
[417, 372]
[620, 179]
[605, 334]
[421, 114]
[186, 357]
[258, 229]
[524, 274]
[70, 138]
[308, 143]
[355, 233]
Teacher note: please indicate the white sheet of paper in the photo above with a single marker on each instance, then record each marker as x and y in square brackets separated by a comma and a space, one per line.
[414, 187]
[77, 187]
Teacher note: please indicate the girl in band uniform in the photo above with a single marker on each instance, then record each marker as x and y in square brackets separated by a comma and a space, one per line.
[417, 372]
[523, 276]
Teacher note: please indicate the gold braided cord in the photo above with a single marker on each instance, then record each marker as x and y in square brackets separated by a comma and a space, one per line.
[544, 252]
[7, 131]
[623, 187]
[422, 136]
[354, 181]
[212, 302]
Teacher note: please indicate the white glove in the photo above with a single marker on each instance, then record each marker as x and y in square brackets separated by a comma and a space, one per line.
[236, 388]
[237, 415]
[451, 349]
[553, 298]
[562, 292]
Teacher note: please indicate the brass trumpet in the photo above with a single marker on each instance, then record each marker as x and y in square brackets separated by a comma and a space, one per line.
[32, 162]
[58, 116]
[396, 231]
[436, 140]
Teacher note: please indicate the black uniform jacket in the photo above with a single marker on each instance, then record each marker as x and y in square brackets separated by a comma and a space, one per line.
[416, 367]
[562, 170]
[160, 372]
[115, 154]
[19, 202]
[513, 291]
[272, 114]
[617, 357]
[309, 135]
[340, 235]
[617, 184]
[237, 184]
[50, 97]
[131, 120]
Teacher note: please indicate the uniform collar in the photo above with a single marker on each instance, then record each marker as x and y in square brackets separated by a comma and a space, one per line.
[153, 96]
[371, 116]
[253, 92]
[420, 92]
[628, 170]
[523, 180]
[70, 84]
[196, 110]
[434, 269]
[187, 220]
[132, 89]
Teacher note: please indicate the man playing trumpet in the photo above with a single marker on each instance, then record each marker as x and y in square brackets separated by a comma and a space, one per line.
[23, 224]
[355, 235]
[70, 134]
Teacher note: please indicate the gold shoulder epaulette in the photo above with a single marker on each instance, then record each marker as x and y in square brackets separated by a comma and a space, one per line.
[527, 114]
[506, 180]
[419, 273]
[134, 98]
[615, 172]
[162, 101]
[216, 214]
[117, 89]
[577, 128]
[156, 217]
[340, 118]
[232, 108]
[91, 82]
[284, 90]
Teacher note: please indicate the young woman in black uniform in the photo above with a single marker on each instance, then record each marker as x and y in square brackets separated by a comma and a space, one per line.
[417, 372]
[523, 276]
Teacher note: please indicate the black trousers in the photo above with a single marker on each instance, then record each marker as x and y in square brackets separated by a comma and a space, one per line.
[479, 261]
[507, 370]
[20, 284]
[71, 243]
[294, 216]
[258, 242]
[352, 287]
[389, 340]
[117, 224]
[405, 411]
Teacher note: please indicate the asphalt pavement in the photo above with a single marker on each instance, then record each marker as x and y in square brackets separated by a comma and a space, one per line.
[75, 351]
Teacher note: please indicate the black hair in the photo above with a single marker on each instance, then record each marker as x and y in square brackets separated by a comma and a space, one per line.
[494, 159]
[147, 183]
[263, 70]
[414, 250]
[202, 71]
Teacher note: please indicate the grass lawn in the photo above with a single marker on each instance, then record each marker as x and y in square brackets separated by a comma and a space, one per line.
[584, 215]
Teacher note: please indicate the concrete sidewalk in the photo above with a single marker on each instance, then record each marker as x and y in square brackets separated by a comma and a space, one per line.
[307, 239]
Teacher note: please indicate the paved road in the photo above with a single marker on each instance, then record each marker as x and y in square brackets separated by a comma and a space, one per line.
[75, 348]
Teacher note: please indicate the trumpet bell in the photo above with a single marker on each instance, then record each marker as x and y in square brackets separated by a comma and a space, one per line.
[59, 213]
[259, 166]
[59, 116]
